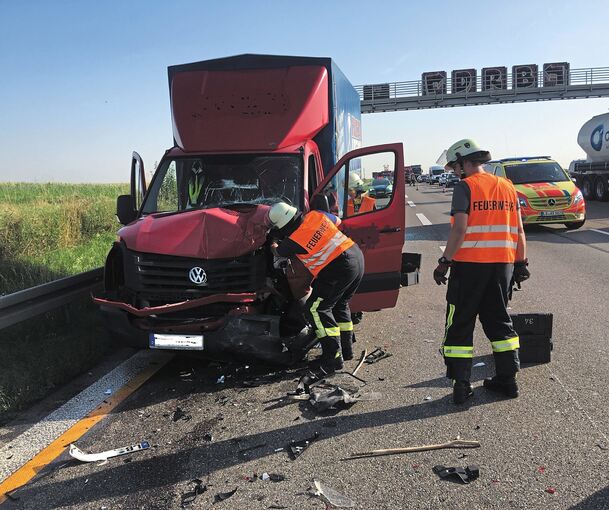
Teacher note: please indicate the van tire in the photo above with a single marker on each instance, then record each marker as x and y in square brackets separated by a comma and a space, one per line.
[601, 190]
[575, 225]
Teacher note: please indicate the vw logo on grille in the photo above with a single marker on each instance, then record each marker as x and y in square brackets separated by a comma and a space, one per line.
[197, 276]
[551, 201]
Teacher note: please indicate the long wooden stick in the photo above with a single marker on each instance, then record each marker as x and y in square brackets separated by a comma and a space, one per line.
[457, 443]
[361, 361]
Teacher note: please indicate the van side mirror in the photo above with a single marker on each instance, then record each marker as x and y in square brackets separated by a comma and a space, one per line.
[320, 203]
[125, 209]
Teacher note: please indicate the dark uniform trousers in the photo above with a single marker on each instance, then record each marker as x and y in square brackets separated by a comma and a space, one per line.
[327, 309]
[479, 289]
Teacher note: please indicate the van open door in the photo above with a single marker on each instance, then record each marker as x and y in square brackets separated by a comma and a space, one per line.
[372, 210]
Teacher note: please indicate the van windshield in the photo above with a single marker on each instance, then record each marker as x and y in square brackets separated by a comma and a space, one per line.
[222, 181]
[528, 173]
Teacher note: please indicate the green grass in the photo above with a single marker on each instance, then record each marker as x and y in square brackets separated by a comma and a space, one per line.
[48, 231]
[52, 230]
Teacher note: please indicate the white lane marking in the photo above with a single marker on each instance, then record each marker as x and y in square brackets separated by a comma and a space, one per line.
[411, 203]
[24, 447]
[423, 219]
[600, 231]
[442, 248]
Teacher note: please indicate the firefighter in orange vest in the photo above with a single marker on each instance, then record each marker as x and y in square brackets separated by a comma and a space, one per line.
[486, 252]
[358, 202]
[337, 265]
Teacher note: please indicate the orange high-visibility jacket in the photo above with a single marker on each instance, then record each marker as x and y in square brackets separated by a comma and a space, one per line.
[367, 204]
[322, 240]
[492, 223]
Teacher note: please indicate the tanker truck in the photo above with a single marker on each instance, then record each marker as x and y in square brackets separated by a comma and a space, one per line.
[592, 174]
[192, 268]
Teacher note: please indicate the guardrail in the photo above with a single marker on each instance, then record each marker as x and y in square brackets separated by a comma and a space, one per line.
[25, 304]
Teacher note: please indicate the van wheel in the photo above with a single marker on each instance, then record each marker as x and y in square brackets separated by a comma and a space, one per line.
[575, 225]
[601, 190]
[587, 188]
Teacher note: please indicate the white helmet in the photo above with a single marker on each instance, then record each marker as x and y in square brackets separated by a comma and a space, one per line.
[465, 148]
[355, 181]
[280, 214]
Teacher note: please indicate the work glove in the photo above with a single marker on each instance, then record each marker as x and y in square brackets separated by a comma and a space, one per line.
[439, 274]
[521, 273]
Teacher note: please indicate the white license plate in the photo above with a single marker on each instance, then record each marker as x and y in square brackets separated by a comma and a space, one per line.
[186, 342]
[551, 213]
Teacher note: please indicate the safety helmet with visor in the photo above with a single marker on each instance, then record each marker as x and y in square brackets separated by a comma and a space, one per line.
[466, 149]
[280, 214]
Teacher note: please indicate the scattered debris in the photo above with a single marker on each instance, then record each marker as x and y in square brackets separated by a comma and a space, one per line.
[541, 470]
[279, 449]
[427, 398]
[465, 474]
[264, 477]
[550, 490]
[331, 396]
[602, 446]
[377, 355]
[479, 364]
[179, 414]
[221, 380]
[360, 362]
[276, 477]
[190, 496]
[222, 496]
[78, 454]
[108, 392]
[457, 443]
[208, 437]
[332, 496]
[296, 448]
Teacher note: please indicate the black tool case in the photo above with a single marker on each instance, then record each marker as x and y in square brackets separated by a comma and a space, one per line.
[535, 332]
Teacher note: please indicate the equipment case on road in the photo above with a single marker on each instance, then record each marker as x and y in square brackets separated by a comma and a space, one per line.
[535, 332]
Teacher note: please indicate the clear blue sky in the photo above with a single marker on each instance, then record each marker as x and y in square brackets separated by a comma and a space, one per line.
[85, 82]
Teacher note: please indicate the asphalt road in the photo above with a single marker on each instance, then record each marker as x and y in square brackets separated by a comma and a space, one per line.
[547, 449]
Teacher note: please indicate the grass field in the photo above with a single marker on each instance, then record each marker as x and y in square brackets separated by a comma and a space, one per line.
[52, 230]
[48, 231]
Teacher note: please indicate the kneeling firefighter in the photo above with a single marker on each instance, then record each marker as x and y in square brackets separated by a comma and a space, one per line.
[337, 265]
[485, 251]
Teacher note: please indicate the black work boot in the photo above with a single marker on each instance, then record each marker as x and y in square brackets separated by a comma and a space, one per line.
[331, 356]
[346, 344]
[505, 386]
[462, 390]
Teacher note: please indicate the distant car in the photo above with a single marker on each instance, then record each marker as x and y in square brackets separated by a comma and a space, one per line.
[442, 179]
[546, 193]
[451, 180]
[380, 188]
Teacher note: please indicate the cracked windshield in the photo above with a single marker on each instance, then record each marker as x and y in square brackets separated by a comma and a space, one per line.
[220, 181]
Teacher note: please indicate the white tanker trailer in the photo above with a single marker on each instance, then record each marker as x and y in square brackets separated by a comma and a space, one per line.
[592, 174]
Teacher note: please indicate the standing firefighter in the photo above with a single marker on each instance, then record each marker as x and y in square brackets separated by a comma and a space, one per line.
[485, 251]
[337, 265]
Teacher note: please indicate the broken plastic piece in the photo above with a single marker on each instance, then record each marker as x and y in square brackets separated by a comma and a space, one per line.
[264, 477]
[108, 392]
[221, 496]
[428, 397]
[332, 496]
[78, 454]
[179, 414]
[550, 490]
[466, 474]
[190, 496]
[479, 364]
[296, 448]
[323, 399]
[377, 355]
[221, 380]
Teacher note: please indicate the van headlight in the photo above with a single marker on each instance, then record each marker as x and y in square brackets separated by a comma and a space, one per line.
[578, 197]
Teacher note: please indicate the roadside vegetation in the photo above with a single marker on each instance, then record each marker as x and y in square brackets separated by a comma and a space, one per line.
[48, 231]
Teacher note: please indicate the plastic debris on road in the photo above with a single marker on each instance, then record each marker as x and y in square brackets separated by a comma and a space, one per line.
[179, 414]
[190, 496]
[377, 355]
[296, 448]
[221, 380]
[550, 490]
[78, 454]
[479, 364]
[333, 497]
[222, 496]
[427, 398]
[108, 392]
[464, 474]
[330, 396]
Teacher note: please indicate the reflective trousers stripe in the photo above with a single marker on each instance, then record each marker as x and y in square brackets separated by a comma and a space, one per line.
[333, 331]
[345, 326]
[449, 319]
[458, 351]
[320, 331]
[490, 244]
[483, 229]
[510, 344]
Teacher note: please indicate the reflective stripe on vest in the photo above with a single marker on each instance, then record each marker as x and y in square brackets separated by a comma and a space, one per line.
[492, 221]
[321, 239]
